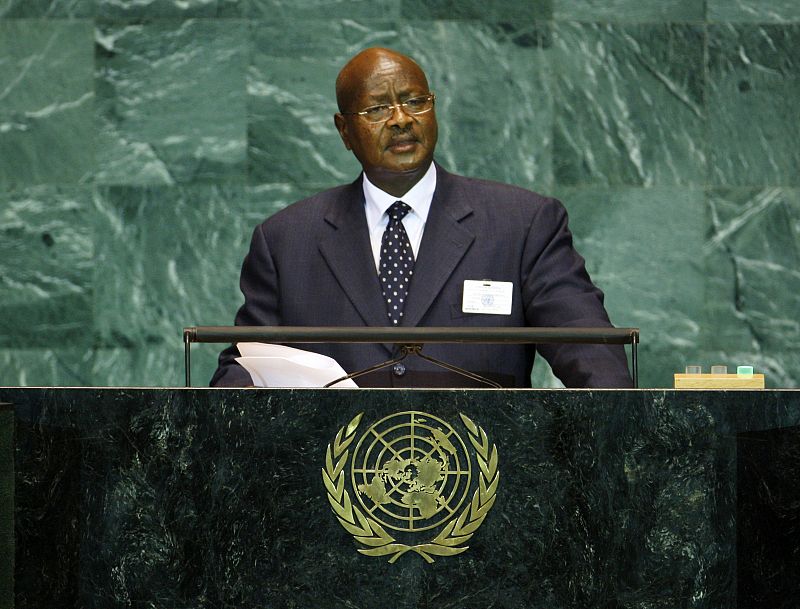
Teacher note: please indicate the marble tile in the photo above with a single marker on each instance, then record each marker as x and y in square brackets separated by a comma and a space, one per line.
[494, 104]
[176, 253]
[6, 503]
[46, 8]
[46, 367]
[767, 508]
[46, 261]
[151, 365]
[358, 10]
[168, 258]
[160, 9]
[753, 126]
[171, 102]
[642, 248]
[629, 104]
[291, 101]
[753, 285]
[629, 10]
[498, 10]
[753, 11]
[46, 95]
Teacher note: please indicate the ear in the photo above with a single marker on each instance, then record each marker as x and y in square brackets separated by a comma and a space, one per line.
[341, 127]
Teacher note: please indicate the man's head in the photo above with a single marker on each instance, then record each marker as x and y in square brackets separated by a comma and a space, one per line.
[395, 153]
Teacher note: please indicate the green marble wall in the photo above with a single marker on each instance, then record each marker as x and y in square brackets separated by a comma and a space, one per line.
[6, 506]
[141, 141]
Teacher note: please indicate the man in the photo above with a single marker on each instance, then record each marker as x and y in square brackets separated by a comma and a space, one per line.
[401, 244]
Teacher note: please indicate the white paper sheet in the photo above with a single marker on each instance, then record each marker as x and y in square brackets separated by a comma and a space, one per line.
[281, 366]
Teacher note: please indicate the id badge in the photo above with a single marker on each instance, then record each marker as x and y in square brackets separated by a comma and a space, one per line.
[487, 297]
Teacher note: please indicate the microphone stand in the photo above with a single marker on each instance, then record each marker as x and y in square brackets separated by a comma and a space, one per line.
[416, 349]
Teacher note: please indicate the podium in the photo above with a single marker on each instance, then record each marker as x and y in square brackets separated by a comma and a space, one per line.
[210, 498]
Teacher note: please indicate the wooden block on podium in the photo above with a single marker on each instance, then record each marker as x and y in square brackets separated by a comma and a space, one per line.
[719, 381]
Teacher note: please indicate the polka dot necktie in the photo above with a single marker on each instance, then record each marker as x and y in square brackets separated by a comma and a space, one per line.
[397, 262]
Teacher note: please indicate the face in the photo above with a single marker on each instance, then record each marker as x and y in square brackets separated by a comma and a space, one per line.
[395, 154]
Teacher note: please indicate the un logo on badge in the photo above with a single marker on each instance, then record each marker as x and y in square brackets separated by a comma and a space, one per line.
[411, 473]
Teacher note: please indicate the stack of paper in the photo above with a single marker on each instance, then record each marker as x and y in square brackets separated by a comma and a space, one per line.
[281, 366]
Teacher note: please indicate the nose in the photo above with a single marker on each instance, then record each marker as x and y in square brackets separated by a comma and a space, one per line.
[399, 116]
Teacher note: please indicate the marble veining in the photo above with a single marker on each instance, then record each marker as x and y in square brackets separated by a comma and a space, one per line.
[629, 10]
[46, 8]
[46, 262]
[147, 77]
[669, 315]
[629, 104]
[176, 9]
[755, 65]
[211, 498]
[752, 248]
[46, 98]
[755, 11]
[666, 128]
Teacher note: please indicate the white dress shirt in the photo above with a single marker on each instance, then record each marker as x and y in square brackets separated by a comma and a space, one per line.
[376, 202]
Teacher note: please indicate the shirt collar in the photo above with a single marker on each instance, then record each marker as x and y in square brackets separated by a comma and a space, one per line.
[418, 198]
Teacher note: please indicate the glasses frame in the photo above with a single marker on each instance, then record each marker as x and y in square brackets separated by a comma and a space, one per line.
[403, 106]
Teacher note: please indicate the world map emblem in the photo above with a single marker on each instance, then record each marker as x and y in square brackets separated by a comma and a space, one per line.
[414, 483]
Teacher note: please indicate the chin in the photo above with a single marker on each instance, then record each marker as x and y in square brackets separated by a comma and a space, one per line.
[409, 166]
[396, 168]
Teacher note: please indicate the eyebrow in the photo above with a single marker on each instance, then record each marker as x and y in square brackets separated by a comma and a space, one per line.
[386, 98]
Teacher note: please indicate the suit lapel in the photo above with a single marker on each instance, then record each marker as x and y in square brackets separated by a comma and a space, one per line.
[444, 242]
[348, 253]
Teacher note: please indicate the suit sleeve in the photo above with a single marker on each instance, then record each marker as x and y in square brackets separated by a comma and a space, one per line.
[558, 292]
[259, 285]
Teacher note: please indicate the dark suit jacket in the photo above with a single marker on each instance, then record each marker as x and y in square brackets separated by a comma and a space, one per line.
[311, 265]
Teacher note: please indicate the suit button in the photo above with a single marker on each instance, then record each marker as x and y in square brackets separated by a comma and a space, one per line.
[399, 369]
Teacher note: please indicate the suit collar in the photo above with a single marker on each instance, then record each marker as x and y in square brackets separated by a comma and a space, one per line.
[444, 243]
[347, 251]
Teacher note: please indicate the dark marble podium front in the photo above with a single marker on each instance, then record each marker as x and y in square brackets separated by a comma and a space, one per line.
[207, 498]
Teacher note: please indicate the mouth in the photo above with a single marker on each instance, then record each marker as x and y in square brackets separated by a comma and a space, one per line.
[402, 144]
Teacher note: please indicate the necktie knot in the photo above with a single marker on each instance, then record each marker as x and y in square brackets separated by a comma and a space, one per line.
[398, 210]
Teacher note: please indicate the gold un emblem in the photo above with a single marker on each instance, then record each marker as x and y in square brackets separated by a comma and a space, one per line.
[411, 474]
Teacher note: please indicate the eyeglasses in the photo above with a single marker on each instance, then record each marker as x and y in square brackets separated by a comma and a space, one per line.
[383, 112]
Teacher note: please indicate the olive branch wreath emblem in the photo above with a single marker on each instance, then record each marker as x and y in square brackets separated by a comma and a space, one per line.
[367, 531]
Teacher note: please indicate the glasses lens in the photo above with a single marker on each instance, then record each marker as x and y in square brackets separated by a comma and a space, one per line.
[378, 114]
[415, 105]
[418, 105]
